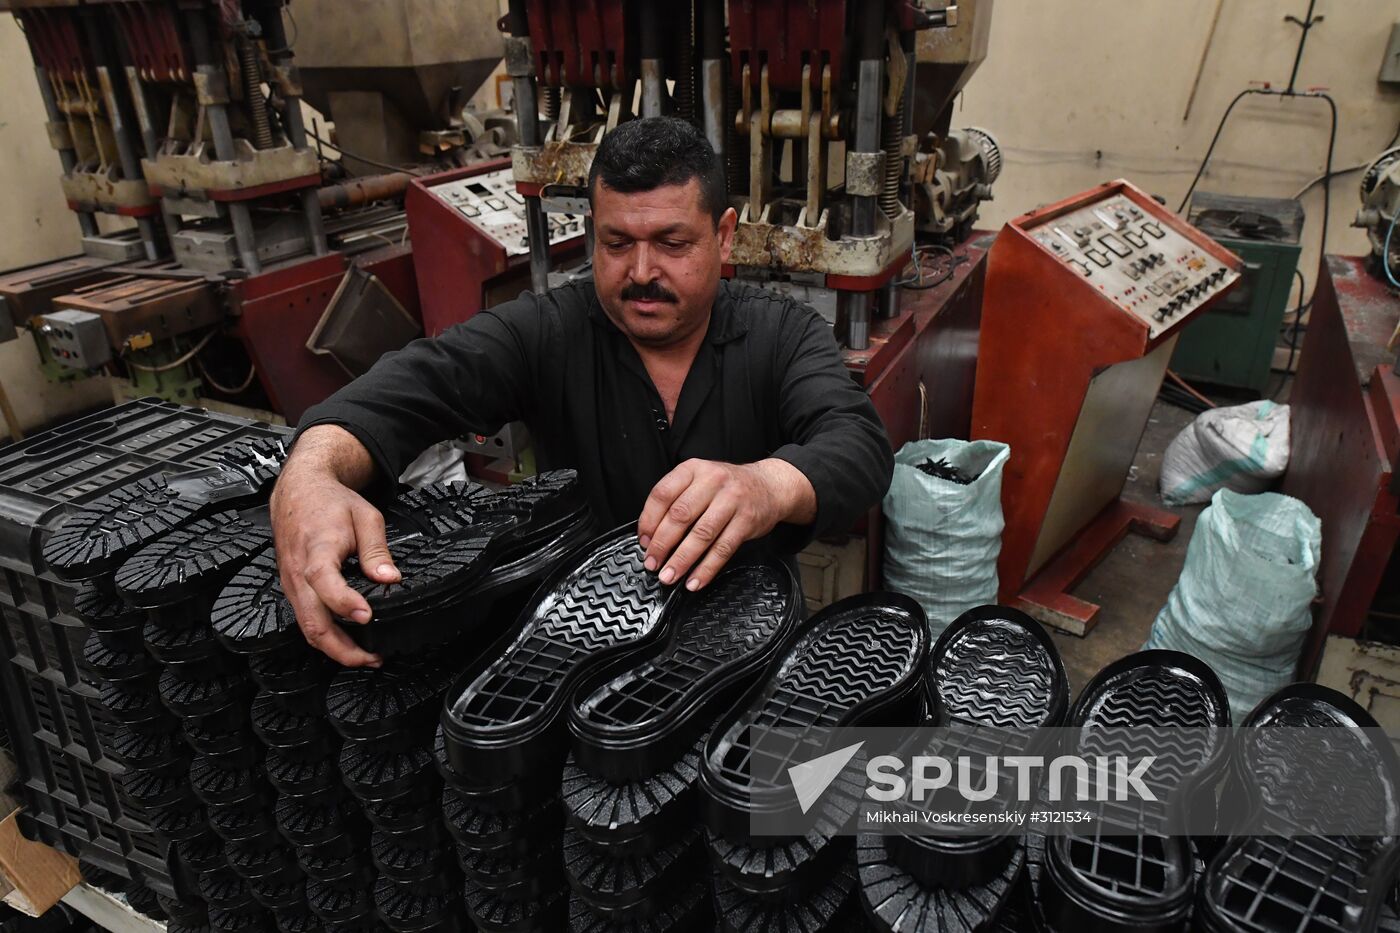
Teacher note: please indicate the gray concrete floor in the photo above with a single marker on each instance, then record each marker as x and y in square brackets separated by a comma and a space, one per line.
[1132, 582]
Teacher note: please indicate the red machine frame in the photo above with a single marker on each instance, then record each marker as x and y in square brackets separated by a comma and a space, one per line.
[454, 260]
[1045, 336]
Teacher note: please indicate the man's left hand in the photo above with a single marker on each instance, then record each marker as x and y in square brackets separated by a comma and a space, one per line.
[704, 510]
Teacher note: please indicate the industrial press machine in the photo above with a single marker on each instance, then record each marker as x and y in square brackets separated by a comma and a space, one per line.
[256, 269]
[831, 119]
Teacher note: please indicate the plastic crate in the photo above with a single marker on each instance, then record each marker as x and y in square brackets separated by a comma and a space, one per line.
[57, 727]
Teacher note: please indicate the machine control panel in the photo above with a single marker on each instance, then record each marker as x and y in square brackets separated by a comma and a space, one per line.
[1145, 267]
[492, 204]
[76, 339]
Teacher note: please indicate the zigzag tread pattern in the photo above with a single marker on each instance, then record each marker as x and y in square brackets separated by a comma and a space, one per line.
[1012, 693]
[611, 601]
[738, 615]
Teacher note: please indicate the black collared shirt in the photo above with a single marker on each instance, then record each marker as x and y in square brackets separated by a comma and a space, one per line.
[768, 381]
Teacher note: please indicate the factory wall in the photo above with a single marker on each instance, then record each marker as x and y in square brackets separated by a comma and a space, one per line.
[1076, 91]
[1082, 91]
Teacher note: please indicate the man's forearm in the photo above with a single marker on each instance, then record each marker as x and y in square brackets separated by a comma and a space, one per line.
[330, 451]
[796, 497]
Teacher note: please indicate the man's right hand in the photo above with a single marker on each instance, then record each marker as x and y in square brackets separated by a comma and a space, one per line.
[317, 522]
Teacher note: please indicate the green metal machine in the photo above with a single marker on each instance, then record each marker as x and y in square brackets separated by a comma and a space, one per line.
[1232, 344]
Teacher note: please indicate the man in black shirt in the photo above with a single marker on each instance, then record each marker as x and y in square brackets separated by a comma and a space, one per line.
[712, 414]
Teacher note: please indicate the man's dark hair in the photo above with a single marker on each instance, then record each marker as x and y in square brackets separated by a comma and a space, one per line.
[643, 155]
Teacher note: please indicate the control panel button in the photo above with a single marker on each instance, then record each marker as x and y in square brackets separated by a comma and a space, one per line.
[1135, 239]
[1099, 258]
[1115, 245]
[1153, 230]
[1083, 269]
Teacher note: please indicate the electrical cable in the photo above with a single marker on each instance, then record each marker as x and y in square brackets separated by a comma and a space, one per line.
[226, 390]
[1385, 251]
[1294, 327]
[1349, 169]
[915, 281]
[174, 364]
[1327, 172]
[359, 158]
[1187, 388]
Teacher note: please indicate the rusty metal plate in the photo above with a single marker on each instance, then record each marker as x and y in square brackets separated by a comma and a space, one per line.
[197, 171]
[807, 249]
[135, 304]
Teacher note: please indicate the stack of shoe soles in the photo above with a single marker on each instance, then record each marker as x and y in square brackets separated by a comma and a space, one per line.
[995, 679]
[1123, 870]
[387, 718]
[1298, 869]
[860, 661]
[462, 550]
[152, 555]
[224, 811]
[633, 848]
[504, 733]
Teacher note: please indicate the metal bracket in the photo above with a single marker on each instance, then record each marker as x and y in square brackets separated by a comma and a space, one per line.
[865, 173]
[520, 57]
[210, 88]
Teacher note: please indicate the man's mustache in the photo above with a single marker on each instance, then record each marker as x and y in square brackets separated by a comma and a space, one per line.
[651, 291]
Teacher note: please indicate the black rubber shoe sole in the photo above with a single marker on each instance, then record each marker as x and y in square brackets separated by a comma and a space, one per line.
[364, 703]
[521, 793]
[100, 537]
[193, 563]
[494, 913]
[632, 887]
[636, 816]
[1140, 878]
[217, 784]
[404, 910]
[147, 751]
[290, 667]
[500, 834]
[225, 889]
[995, 678]
[293, 778]
[690, 911]
[636, 716]
[306, 822]
[812, 912]
[338, 903]
[861, 660]
[369, 772]
[121, 663]
[242, 822]
[1290, 875]
[203, 853]
[505, 715]
[297, 735]
[902, 903]
[252, 614]
[505, 873]
[444, 539]
[190, 698]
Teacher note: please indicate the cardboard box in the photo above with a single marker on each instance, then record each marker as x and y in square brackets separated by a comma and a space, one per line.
[37, 875]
